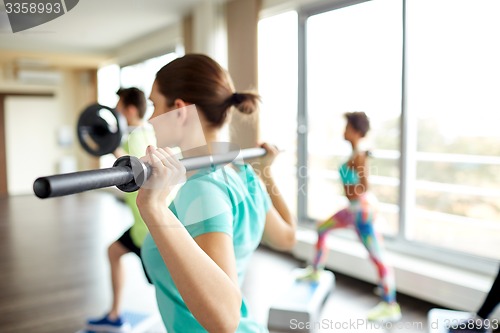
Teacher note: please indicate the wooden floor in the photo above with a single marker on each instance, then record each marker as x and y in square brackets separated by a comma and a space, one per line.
[54, 272]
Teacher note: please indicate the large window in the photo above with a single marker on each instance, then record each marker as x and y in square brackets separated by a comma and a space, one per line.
[453, 82]
[354, 64]
[141, 75]
[427, 72]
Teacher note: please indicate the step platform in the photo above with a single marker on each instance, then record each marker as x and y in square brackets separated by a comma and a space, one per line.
[301, 302]
[439, 320]
[139, 322]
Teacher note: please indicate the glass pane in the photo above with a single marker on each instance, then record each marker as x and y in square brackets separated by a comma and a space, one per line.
[354, 64]
[278, 117]
[142, 75]
[453, 85]
[108, 83]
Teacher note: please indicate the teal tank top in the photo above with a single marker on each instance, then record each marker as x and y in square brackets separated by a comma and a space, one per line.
[226, 200]
[348, 175]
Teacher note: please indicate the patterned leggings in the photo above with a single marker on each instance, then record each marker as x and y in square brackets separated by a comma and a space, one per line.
[360, 215]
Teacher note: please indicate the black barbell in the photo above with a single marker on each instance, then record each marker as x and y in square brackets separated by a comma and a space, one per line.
[128, 173]
[100, 131]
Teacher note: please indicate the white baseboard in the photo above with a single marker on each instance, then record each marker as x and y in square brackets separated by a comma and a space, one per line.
[442, 285]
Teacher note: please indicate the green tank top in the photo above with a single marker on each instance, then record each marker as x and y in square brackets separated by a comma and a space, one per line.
[135, 145]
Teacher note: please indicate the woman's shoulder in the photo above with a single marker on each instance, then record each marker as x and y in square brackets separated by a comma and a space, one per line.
[360, 157]
[229, 177]
[204, 179]
[211, 181]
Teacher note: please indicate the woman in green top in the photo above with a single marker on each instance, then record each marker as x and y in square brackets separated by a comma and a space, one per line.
[132, 106]
[199, 245]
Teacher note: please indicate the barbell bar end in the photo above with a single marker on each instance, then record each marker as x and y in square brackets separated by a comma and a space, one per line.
[41, 187]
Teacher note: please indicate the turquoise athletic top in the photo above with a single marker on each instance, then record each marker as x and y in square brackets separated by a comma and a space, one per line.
[224, 200]
[348, 175]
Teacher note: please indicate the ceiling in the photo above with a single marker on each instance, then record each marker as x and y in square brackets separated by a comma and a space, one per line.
[94, 26]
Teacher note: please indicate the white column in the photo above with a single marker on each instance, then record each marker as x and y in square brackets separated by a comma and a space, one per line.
[209, 30]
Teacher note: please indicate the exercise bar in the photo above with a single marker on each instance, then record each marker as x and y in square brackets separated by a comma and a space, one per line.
[128, 174]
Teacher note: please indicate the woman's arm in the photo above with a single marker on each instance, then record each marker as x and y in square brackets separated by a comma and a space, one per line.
[119, 152]
[279, 231]
[361, 166]
[203, 269]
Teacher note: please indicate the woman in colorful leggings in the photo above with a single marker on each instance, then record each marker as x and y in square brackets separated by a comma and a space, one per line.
[360, 214]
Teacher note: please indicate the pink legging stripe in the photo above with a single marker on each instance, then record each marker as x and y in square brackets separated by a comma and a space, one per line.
[360, 214]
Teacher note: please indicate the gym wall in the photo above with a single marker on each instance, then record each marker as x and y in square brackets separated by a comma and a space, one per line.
[37, 125]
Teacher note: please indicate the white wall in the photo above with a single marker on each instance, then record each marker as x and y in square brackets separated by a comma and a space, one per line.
[36, 126]
[31, 125]
[161, 42]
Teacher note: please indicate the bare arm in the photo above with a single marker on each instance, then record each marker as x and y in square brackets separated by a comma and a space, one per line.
[119, 152]
[203, 269]
[279, 231]
[361, 166]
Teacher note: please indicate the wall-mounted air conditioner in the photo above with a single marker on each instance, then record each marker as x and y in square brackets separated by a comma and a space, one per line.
[35, 76]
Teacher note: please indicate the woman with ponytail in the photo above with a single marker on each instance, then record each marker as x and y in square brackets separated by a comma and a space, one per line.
[201, 240]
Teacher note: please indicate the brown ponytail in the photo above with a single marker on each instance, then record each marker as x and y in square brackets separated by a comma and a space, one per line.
[246, 102]
[198, 79]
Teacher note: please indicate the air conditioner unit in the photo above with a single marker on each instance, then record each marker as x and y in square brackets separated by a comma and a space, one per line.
[45, 77]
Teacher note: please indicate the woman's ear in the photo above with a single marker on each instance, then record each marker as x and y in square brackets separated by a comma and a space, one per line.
[179, 103]
[181, 110]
